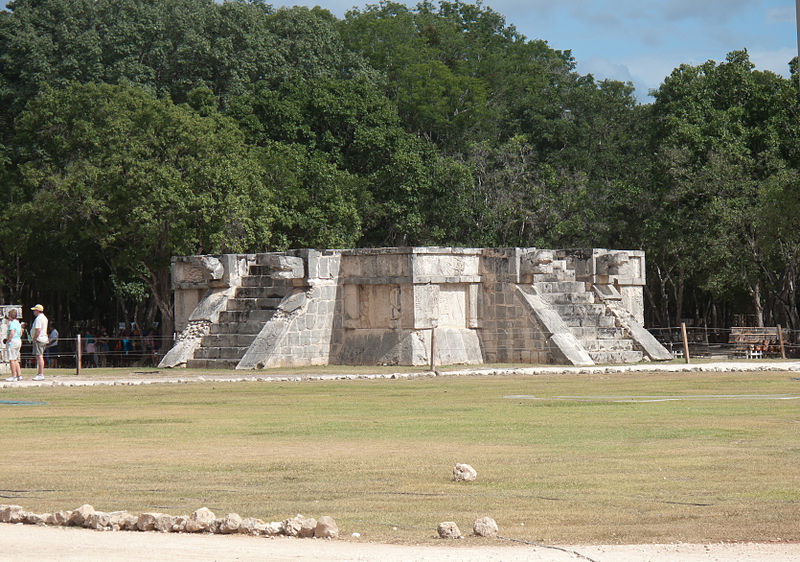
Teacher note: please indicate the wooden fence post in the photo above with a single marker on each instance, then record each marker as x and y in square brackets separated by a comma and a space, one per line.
[685, 342]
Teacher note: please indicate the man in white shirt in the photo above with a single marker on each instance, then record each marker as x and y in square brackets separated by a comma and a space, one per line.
[40, 339]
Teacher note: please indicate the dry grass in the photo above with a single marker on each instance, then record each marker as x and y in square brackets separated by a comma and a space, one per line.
[377, 455]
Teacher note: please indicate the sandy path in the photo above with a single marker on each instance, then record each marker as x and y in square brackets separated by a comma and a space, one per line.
[29, 543]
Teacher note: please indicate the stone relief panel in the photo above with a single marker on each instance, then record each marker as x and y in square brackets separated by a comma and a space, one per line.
[453, 306]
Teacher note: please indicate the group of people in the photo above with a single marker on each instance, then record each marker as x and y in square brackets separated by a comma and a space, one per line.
[128, 347]
[40, 338]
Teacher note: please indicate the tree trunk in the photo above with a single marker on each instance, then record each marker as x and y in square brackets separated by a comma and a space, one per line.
[755, 292]
[679, 289]
[159, 281]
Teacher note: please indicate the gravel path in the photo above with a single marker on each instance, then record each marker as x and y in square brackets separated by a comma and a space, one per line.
[36, 543]
[180, 376]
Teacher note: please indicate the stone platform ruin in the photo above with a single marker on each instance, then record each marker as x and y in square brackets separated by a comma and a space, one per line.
[381, 306]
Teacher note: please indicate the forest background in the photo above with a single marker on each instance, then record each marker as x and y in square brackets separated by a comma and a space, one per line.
[132, 131]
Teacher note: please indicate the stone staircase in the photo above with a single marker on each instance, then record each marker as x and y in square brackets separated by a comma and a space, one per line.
[587, 319]
[253, 305]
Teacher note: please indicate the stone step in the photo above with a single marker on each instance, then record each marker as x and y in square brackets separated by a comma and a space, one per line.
[236, 353]
[261, 292]
[583, 310]
[595, 333]
[607, 345]
[281, 286]
[544, 287]
[243, 316]
[237, 328]
[589, 321]
[227, 340]
[570, 298]
[237, 303]
[615, 357]
[556, 276]
[212, 363]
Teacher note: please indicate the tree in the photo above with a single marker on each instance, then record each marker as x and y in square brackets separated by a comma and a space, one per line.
[140, 180]
[720, 139]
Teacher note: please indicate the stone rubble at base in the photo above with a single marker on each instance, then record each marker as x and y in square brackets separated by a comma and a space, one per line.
[201, 520]
[711, 367]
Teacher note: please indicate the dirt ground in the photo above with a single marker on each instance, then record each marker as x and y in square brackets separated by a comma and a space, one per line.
[29, 543]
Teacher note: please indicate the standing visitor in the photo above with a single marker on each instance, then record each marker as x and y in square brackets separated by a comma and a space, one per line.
[14, 345]
[40, 339]
[51, 351]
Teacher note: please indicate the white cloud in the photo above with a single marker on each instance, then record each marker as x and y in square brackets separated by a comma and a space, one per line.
[706, 10]
[602, 68]
[775, 60]
[781, 15]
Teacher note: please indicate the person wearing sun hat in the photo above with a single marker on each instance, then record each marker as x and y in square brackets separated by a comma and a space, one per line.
[40, 339]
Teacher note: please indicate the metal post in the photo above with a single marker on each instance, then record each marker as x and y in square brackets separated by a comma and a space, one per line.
[685, 339]
[78, 355]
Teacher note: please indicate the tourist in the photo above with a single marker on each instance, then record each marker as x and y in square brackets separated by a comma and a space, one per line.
[102, 347]
[91, 350]
[14, 343]
[40, 339]
[51, 351]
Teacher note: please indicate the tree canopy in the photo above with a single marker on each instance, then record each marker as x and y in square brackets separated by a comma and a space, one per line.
[133, 131]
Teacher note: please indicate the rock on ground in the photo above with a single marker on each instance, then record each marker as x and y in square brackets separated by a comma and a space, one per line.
[200, 520]
[485, 527]
[326, 528]
[464, 473]
[448, 530]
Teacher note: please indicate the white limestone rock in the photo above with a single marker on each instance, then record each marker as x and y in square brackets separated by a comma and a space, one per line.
[147, 521]
[128, 522]
[179, 523]
[99, 521]
[230, 524]
[164, 523]
[448, 530]
[35, 518]
[251, 526]
[326, 528]
[464, 473]
[291, 527]
[307, 528]
[10, 513]
[58, 518]
[485, 527]
[78, 516]
[201, 520]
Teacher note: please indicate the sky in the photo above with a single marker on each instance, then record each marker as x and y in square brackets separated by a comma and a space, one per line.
[642, 41]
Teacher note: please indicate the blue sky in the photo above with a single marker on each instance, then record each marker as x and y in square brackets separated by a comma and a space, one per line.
[641, 41]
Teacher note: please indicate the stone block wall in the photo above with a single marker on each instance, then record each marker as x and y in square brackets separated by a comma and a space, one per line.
[381, 305]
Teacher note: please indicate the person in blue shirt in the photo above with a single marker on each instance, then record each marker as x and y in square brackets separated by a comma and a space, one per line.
[14, 343]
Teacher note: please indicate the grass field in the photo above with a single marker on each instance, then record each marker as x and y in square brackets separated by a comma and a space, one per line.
[572, 459]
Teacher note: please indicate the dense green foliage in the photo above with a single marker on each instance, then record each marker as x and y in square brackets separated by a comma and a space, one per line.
[131, 131]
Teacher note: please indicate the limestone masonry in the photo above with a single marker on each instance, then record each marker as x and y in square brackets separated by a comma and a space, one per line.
[381, 306]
